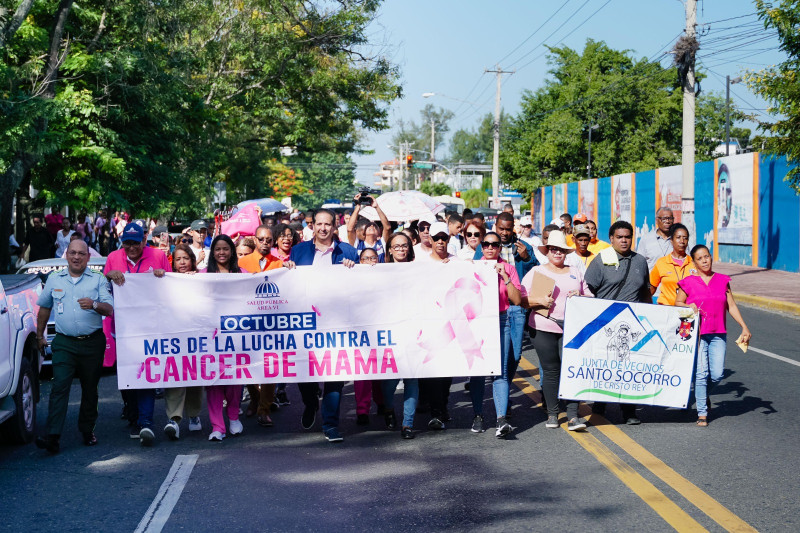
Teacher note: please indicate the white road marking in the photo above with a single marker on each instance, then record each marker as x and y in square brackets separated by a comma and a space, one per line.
[157, 515]
[776, 356]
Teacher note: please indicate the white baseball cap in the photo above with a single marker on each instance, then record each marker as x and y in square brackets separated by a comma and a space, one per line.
[525, 221]
[439, 227]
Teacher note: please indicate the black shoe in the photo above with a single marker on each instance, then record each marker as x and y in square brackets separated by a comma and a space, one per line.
[282, 398]
[89, 439]
[503, 428]
[406, 433]
[49, 443]
[633, 421]
[362, 420]
[391, 421]
[466, 386]
[477, 424]
[309, 416]
[436, 423]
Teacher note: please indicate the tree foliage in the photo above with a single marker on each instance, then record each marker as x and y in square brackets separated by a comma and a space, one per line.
[477, 145]
[326, 176]
[435, 189]
[418, 135]
[780, 84]
[635, 104]
[143, 105]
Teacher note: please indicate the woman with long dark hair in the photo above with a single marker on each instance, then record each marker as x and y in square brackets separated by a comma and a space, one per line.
[223, 260]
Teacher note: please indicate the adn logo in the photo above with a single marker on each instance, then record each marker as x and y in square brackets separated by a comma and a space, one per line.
[267, 289]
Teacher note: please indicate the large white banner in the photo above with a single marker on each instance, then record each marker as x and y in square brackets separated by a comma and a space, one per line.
[627, 352]
[735, 199]
[308, 324]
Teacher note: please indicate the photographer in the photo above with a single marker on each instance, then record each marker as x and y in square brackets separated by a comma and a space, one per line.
[373, 237]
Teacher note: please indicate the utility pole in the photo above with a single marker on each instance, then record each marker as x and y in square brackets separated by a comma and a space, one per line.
[728, 83]
[589, 165]
[496, 133]
[687, 156]
[433, 140]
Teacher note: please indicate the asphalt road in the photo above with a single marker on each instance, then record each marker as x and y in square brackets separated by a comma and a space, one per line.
[665, 474]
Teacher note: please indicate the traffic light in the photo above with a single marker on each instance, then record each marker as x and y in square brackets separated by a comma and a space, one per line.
[409, 161]
[458, 194]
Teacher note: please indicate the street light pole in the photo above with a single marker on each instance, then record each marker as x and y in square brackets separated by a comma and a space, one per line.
[496, 134]
[589, 166]
[433, 140]
[728, 83]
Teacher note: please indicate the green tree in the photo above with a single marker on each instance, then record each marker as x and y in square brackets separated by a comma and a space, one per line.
[475, 198]
[435, 189]
[477, 145]
[326, 176]
[780, 84]
[418, 135]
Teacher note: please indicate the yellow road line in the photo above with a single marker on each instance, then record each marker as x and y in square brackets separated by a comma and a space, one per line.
[661, 504]
[708, 505]
[715, 510]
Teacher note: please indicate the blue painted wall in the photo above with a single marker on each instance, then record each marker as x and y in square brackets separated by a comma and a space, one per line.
[779, 220]
[603, 207]
[645, 202]
[572, 197]
[704, 203]
[547, 201]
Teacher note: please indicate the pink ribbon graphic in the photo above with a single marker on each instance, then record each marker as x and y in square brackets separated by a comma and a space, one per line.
[463, 303]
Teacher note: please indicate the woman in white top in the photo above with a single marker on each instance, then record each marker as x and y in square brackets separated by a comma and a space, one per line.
[473, 236]
[548, 335]
[63, 237]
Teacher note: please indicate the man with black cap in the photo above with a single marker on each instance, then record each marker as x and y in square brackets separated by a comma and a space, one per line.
[136, 257]
[199, 232]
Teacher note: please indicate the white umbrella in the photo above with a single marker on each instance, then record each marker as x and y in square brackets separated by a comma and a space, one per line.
[404, 206]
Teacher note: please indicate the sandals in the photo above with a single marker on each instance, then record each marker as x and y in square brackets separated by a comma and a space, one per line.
[702, 422]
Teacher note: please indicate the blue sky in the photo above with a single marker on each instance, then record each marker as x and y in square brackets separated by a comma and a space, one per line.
[443, 46]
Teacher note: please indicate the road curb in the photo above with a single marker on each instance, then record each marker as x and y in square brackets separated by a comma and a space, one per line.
[767, 303]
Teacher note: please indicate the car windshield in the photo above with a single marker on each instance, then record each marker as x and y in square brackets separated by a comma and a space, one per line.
[44, 270]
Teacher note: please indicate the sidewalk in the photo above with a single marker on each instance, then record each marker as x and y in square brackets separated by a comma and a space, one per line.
[772, 289]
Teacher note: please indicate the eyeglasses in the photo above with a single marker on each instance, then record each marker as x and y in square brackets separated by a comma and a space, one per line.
[491, 244]
[77, 253]
[185, 241]
[555, 250]
[370, 259]
[473, 234]
[440, 237]
[398, 247]
[665, 219]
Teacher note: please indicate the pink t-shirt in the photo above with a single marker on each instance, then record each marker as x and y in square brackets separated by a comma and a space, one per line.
[151, 259]
[565, 283]
[514, 277]
[711, 300]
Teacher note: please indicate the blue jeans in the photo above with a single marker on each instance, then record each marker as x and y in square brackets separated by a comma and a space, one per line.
[146, 401]
[710, 366]
[516, 325]
[331, 397]
[501, 382]
[410, 398]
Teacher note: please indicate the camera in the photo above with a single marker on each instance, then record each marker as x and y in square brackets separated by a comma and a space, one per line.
[365, 195]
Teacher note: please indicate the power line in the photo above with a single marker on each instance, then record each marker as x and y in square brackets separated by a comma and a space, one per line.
[528, 38]
[731, 18]
[553, 33]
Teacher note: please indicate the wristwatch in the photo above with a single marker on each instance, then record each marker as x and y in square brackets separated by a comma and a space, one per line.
[94, 305]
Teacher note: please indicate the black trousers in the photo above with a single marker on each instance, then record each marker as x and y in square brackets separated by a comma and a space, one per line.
[548, 347]
[437, 392]
[81, 358]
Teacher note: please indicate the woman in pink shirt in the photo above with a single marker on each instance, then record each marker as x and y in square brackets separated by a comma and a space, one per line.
[548, 335]
[285, 238]
[510, 292]
[223, 260]
[709, 294]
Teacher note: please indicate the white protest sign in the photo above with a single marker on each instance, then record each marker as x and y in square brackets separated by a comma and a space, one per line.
[627, 352]
[308, 324]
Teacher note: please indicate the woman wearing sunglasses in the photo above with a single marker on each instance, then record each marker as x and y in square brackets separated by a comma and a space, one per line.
[399, 249]
[440, 236]
[511, 293]
[473, 235]
[548, 335]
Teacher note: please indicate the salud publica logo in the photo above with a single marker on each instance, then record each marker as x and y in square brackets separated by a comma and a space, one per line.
[267, 296]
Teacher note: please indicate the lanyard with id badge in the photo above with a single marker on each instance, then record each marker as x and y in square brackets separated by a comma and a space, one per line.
[58, 296]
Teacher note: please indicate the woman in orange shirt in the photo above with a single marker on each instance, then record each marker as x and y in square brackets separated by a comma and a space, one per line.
[672, 268]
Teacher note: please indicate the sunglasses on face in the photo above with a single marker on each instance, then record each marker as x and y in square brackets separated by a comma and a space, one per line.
[439, 237]
[264, 239]
[185, 241]
[491, 244]
[424, 229]
[473, 234]
[553, 249]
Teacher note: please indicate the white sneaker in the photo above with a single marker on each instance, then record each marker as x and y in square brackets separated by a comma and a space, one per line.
[216, 436]
[146, 437]
[236, 428]
[172, 430]
[195, 424]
